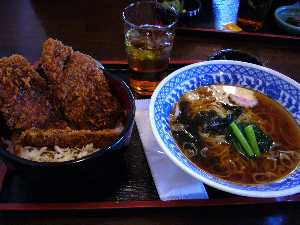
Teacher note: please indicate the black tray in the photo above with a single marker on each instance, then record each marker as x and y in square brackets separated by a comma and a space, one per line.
[126, 183]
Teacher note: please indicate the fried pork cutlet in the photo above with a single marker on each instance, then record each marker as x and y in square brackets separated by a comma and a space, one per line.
[54, 57]
[80, 87]
[67, 137]
[23, 95]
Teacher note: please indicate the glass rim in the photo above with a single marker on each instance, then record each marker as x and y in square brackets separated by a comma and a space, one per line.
[162, 27]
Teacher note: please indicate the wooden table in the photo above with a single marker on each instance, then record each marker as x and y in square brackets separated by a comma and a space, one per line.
[95, 27]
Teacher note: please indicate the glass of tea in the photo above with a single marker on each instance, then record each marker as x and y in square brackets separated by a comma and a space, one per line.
[149, 34]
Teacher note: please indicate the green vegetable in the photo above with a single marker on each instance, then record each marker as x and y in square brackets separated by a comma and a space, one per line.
[264, 141]
[249, 131]
[243, 141]
[236, 144]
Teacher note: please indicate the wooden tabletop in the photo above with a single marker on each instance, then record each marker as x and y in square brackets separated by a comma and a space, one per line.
[95, 27]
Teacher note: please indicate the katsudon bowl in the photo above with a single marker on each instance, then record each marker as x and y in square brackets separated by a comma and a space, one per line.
[185, 141]
[106, 160]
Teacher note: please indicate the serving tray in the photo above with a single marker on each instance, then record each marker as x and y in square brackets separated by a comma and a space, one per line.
[125, 183]
[214, 14]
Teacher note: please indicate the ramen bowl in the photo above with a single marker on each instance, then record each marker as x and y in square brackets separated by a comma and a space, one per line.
[273, 84]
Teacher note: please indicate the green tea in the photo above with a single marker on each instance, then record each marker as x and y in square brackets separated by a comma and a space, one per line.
[148, 57]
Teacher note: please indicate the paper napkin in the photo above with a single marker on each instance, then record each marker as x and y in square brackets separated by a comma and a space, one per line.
[171, 182]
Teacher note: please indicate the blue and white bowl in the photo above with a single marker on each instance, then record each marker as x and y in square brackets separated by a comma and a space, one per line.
[282, 13]
[273, 84]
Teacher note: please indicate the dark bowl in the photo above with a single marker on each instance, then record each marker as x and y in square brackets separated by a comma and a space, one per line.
[101, 161]
[233, 54]
[190, 13]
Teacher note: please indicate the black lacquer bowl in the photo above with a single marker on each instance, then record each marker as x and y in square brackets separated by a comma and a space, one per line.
[104, 160]
[233, 54]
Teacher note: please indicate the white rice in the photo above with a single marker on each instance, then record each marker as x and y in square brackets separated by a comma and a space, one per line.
[56, 154]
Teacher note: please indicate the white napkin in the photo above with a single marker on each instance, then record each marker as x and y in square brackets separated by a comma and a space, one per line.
[171, 182]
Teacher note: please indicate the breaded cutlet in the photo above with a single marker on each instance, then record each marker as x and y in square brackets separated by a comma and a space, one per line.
[23, 95]
[67, 137]
[54, 57]
[79, 87]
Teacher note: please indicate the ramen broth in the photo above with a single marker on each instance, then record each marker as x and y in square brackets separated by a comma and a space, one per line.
[215, 155]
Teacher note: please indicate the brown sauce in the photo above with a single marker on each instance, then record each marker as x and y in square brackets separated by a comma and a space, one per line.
[215, 155]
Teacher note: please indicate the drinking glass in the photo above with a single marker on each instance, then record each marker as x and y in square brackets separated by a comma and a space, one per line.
[252, 13]
[149, 29]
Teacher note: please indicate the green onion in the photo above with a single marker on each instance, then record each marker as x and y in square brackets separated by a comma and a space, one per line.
[236, 144]
[240, 136]
[249, 131]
